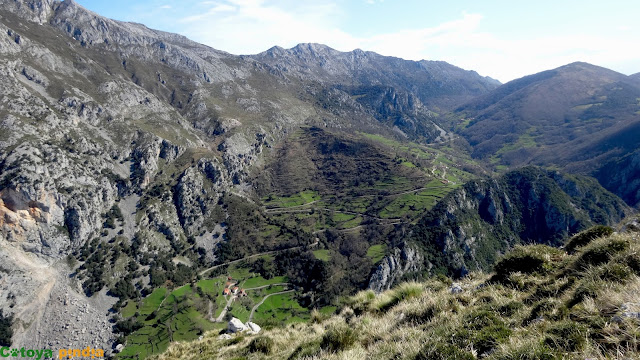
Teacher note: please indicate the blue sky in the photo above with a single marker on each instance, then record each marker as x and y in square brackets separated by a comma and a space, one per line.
[501, 39]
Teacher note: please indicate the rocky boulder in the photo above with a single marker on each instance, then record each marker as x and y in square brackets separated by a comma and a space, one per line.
[235, 325]
[456, 288]
[253, 327]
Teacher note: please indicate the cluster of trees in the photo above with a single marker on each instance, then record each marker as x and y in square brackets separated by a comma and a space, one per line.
[5, 329]
[111, 216]
[127, 326]
[93, 254]
[162, 269]
[124, 289]
[96, 255]
[244, 231]
[346, 271]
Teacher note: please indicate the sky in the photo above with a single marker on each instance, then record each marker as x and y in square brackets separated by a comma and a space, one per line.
[502, 39]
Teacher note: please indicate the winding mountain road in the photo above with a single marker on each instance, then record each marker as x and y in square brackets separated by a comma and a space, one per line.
[201, 273]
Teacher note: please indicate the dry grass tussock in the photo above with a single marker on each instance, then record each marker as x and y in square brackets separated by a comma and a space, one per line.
[541, 303]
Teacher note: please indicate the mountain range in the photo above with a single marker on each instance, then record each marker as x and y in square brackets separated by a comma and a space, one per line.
[136, 163]
[579, 117]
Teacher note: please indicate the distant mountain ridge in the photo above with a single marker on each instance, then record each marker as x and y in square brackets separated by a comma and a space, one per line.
[578, 117]
[434, 83]
[405, 95]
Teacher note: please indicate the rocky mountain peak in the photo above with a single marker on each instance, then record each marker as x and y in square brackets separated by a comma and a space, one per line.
[275, 51]
[312, 49]
[38, 11]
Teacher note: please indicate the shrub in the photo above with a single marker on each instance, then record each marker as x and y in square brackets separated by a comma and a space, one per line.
[585, 237]
[361, 301]
[632, 260]
[110, 223]
[261, 344]
[600, 253]
[479, 319]
[391, 298]
[409, 290]
[270, 323]
[552, 289]
[444, 279]
[528, 352]
[567, 336]
[317, 317]
[422, 315]
[526, 259]
[483, 329]
[441, 351]
[126, 327]
[338, 338]
[583, 291]
[550, 309]
[234, 340]
[510, 308]
[123, 289]
[589, 317]
[306, 350]
[615, 272]
[488, 338]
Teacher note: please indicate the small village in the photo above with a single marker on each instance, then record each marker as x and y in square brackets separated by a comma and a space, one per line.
[231, 288]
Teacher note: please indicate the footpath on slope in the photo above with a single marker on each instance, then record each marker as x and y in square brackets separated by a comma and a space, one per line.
[201, 273]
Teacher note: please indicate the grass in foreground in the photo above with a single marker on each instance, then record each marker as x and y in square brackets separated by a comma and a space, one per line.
[541, 303]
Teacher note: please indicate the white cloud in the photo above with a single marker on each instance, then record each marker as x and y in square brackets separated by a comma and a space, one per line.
[252, 26]
[212, 12]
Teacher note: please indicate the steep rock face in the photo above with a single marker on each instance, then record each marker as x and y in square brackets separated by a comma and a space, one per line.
[197, 195]
[622, 177]
[38, 11]
[470, 227]
[402, 262]
[399, 109]
[240, 152]
[91, 30]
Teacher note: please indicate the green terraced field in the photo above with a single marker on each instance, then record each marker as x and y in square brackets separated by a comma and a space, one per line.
[151, 302]
[283, 308]
[301, 198]
[322, 254]
[177, 319]
[376, 252]
[130, 309]
[260, 281]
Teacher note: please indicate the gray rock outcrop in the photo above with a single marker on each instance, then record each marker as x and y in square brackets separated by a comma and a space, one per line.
[235, 326]
[393, 267]
[253, 327]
